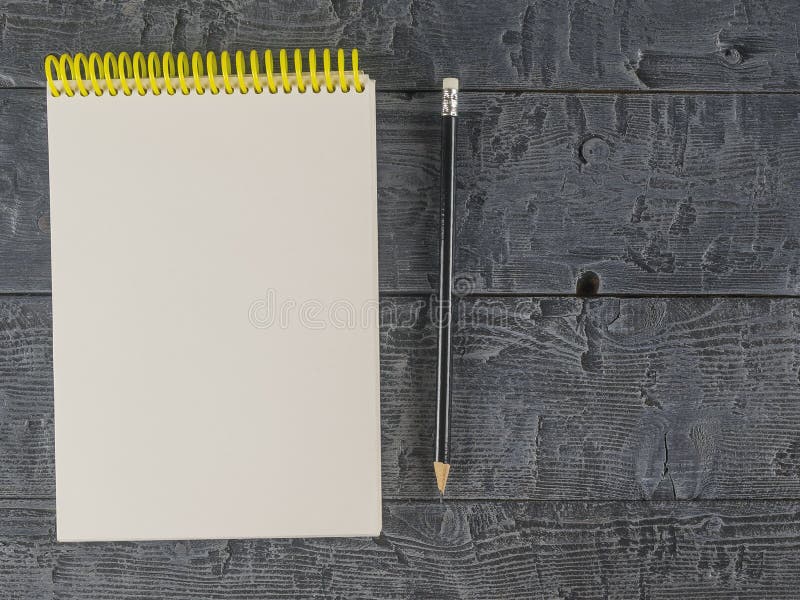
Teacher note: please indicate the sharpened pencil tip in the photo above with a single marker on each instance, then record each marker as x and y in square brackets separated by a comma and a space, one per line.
[442, 470]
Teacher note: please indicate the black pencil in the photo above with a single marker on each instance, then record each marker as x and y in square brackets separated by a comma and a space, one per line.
[444, 316]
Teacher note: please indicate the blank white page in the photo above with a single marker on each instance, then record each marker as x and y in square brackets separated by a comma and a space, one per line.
[215, 315]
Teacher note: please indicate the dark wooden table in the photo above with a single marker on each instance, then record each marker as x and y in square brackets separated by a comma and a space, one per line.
[644, 443]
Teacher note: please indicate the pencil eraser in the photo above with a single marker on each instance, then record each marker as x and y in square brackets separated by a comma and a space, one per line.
[450, 83]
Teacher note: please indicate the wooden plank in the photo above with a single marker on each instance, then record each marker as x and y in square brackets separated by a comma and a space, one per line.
[664, 194]
[664, 550]
[656, 194]
[26, 398]
[24, 193]
[628, 398]
[555, 398]
[714, 45]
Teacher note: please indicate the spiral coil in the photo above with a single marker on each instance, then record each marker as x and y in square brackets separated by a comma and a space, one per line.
[183, 73]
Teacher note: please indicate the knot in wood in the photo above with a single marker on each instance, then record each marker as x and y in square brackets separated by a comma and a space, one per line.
[43, 223]
[594, 150]
[731, 56]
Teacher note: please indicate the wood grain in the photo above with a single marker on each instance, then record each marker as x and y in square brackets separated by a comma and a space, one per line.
[26, 398]
[466, 550]
[24, 193]
[600, 399]
[413, 44]
[554, 398]
[568, 411]
[657, 193]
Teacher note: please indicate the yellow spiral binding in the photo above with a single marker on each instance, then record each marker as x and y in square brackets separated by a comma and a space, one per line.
[285, 83]
[140, 74]
[273, 89]
[79, 59]
[211, 67]
[241, 73]
[154, 72]
[225, 61]
[110, 72]
[254, 71]
[168, 68]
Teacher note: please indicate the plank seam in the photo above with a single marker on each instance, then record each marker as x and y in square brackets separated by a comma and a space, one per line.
[520, 500]
[585, 92]
[527, 294]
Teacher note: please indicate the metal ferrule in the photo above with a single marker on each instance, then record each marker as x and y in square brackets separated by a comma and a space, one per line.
[449, 103]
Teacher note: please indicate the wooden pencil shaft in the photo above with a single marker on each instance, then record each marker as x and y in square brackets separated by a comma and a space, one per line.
[444, 310]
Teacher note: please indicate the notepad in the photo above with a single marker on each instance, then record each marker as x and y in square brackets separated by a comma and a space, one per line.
[215, 296]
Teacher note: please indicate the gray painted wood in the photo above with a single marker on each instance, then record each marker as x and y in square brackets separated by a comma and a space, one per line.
[657, 193]
[555, 398]
[465, 550]
[24, 193]
[409, 44]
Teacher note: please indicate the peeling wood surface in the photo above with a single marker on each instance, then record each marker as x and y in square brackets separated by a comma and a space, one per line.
[555, 398]
[470, 550]
[409, 44]
[657, 193]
